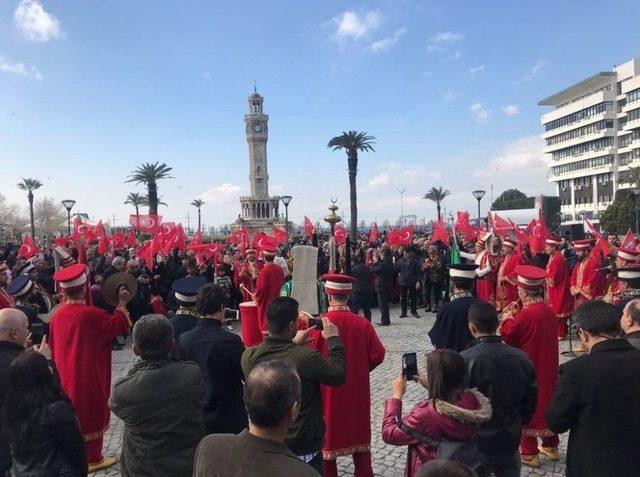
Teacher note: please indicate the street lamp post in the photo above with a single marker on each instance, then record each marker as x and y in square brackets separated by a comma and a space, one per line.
[402, 206]
[332, 219]
[636, 193]
[286, 200]
[68, 204]
[478, 194]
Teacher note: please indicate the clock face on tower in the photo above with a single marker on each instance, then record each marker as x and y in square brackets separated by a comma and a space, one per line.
[257, 128]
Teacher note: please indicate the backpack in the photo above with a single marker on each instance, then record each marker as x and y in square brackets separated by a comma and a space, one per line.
[464, 452]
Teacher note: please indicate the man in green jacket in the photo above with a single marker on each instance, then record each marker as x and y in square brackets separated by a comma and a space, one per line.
[160, 402]
[285, 341]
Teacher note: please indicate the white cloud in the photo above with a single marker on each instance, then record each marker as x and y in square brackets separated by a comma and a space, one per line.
[519, 162]
[351, 25]
[19, 69]
[379, 180]
[222, 193]
[532, 72]
[476, 69]
[35, 23]
[510, 109]
[450, 95]
[480, 114]
[456, 55]
[388, 42]
[427, 74]
[446, 37]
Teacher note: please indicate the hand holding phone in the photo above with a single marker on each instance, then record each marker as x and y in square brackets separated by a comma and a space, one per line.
[409, 365]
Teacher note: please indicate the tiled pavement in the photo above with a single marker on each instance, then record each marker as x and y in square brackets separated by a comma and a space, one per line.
[404, 335]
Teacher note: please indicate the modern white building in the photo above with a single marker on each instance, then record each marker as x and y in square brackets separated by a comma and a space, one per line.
[592, 136]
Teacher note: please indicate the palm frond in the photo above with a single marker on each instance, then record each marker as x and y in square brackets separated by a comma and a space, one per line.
[149, 173]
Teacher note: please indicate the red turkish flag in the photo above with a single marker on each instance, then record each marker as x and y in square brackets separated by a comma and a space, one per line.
[103, 245]
[98, 230]
[373, 235]
[280, 236]
[261, 240]
[176, 239]
[309, 229]
[501, 226]
[82, 229]
[464, 226]
[117, 240]
[529, 229]
[601, 243]
[404, 236]
[148, 224]
[131, 239]
[629, 242]
[340, 234]
[440, 232]
[197, 238]
[63, 241]
[145, 253]
[28, 248]
[539, 235]
[167, 228]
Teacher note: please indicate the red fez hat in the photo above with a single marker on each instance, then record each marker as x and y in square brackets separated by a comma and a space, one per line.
[582, 244]
[629, 255]
[249, 250]
[509, 242]
[557, 241]
[269, 249]
[629, 273]
[73, 276]
[530, 277]
[338, 284]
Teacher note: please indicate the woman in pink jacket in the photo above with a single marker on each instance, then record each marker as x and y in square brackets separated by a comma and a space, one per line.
[450, 412]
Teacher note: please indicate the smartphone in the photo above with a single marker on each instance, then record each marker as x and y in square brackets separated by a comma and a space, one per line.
[409, 365]
[231, 314]
[317, 322]
[37, 333]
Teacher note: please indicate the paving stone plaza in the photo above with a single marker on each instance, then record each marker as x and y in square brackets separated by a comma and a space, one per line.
[404, 335]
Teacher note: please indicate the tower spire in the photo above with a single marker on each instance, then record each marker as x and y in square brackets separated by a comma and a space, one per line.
[255, 86]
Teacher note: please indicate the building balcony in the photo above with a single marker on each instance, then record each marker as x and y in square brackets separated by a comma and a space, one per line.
[587, 155]
[575, 106]
[631, 106]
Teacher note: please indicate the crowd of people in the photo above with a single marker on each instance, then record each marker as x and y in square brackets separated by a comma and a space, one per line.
[291, 393]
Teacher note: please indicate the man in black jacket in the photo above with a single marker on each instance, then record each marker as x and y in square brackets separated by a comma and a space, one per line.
[383, 269]
[409, 270]
[363, 289]
[506, 376]
[630, 322]
[218, 353]
[597, 398]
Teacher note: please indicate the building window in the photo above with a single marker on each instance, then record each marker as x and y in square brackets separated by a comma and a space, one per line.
[584, 148]
[601, 161]
[579, 115]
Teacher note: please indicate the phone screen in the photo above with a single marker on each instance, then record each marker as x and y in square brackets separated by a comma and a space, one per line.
[317, 322]
[37, 333]
[409, 365]
[231, 314]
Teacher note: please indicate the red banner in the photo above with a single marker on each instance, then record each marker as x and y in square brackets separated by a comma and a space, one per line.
[404, 236]
[373, 235]
[440, 233]
[309, 229]
[340, 234]
[280, 236]
[28, 248]
[147, 224]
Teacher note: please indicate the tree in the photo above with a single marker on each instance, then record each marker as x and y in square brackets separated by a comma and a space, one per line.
[197, 203]
[136, 200]
[10, 214]
[437, 194]
[30, 185]
[149, 175]
[50, 216]
[145, 201]
[630, 176]
[352, 142]
[509, 199]
[620, 215]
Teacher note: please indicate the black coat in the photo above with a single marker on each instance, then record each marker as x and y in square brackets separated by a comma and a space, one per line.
[8, 352]
[218, 353]
[597, 399]
[362, 274]
[451, 329]
[506, 376]
[385, 275]
[409, 270]
[54, 445]
[181, 323]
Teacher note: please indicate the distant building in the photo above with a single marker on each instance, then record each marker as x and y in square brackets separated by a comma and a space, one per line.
[592, 136]
[258, 211]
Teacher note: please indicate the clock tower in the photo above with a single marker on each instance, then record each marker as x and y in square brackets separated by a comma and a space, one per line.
[257, 135]
[259, 212]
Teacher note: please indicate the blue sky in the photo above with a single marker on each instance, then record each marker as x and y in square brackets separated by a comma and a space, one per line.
[88, 90]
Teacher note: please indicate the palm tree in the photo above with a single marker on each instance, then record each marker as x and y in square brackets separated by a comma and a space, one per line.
[149, 175]
[197, 203]
[30, 185]
[136, 200]
[631, 177]
[437, 194]
[145, 201]
[353, 142]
